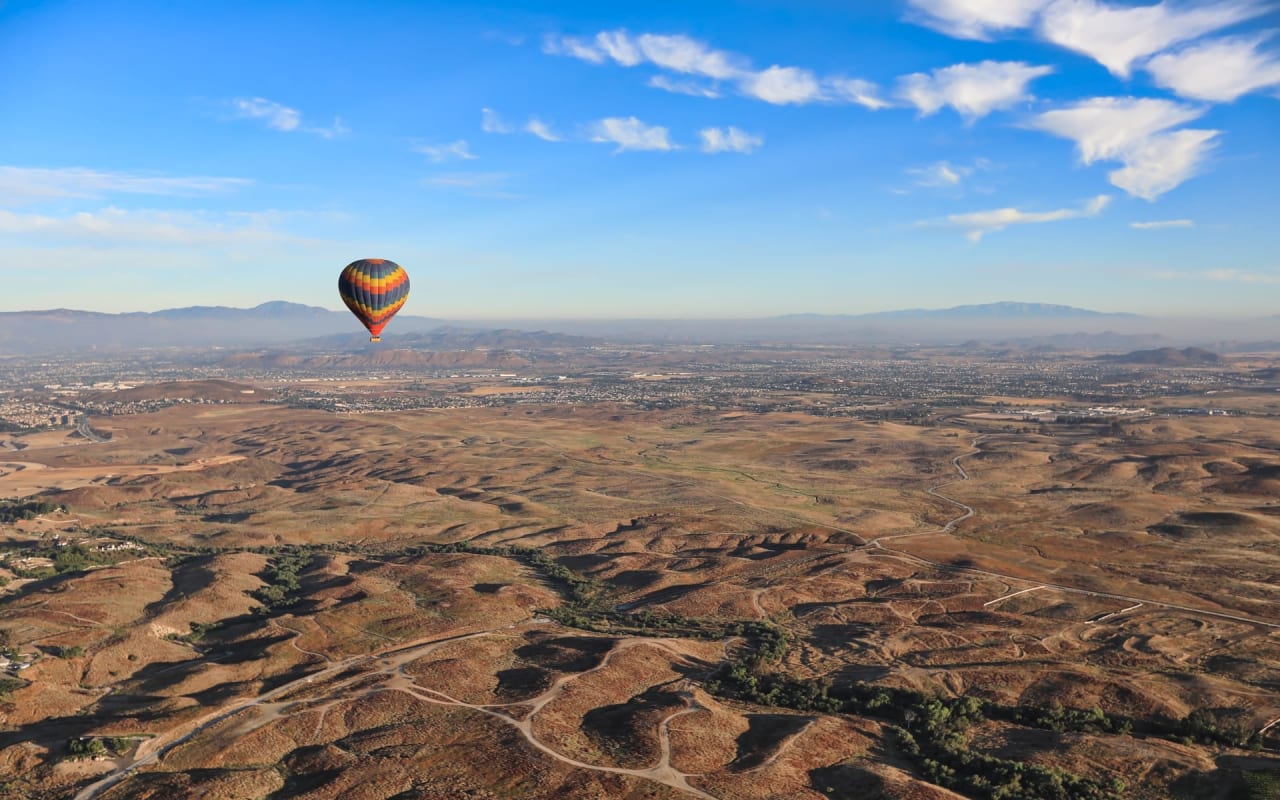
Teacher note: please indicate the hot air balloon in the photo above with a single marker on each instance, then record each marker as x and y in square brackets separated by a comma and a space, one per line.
[374, 289]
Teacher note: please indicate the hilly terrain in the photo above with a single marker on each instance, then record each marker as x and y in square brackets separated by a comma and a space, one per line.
[1169, 357]
[635, 599]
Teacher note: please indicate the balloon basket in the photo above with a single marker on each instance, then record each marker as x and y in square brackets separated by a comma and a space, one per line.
[375, 339]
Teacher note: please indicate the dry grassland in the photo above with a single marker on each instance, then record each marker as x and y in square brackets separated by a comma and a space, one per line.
[1135, 569]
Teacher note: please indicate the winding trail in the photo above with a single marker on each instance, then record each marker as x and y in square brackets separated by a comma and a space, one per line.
[966, 509]
[152, 750]
[390, 665]
[294, 641]
[968, 512]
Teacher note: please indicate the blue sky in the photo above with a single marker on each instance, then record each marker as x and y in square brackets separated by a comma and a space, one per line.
[535, 160]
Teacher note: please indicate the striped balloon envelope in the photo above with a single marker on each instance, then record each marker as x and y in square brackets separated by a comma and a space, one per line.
[374, 289]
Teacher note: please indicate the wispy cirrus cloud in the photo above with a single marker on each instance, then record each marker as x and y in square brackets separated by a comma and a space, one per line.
[702, 69]
[1241, 276]
[1220, 276]
[973, 90]
[1162, 224]
[451, 151]
[492, 122]
[477, 184]
[1135, 132]
[34, 184]
[975, 19]
[689, 86]
[943, 174]
[152, 227]
[857, 91]
[283, 118]
[729, 140]
[1218, 71]
[979, 223]
[542, 130]
[629, 133]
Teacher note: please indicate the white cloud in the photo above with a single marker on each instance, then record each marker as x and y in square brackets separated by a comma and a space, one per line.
[338, 128]
[942, 173]
[729, 140]
[1135, 132]
[698, 64]
[976, 19]
[542, 130]
[692, 88]
[683, 54]
[1105, 128]
[1118, 36]
[491, 122]
[630, 133]
[1162, 224]
[144, 226]
[855, 90]
[1163, 162]
[282, 118]
[974, 90]
[29, 184]
[453, 151]
[1218, 71]
[575, 47]
[618, 46]
[782, 86]
[980, 223]
[278, 117]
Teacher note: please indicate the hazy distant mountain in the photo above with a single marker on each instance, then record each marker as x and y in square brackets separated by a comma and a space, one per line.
[280, 323]
[198, 326]
[1169, 357]
[1005, 310]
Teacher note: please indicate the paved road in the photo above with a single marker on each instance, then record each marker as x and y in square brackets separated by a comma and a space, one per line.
[82, 428]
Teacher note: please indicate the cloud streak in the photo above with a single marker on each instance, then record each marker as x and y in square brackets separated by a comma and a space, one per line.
[942, 174]
[492, 122]
[34, 184]
[980, 223]
[453, 151]
[1240, 276]
[542, 130]
[116, 225]
[1162, 224]
[280, 117]
[701, 69]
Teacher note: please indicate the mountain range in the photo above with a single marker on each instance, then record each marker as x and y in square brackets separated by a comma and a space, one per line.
[279, 322]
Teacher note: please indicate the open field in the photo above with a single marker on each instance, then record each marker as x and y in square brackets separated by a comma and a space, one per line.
[581, 630]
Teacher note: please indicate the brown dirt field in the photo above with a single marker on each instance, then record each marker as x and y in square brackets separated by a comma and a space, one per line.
[1151, 558]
